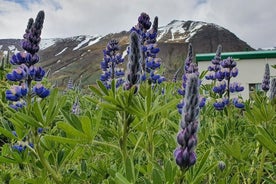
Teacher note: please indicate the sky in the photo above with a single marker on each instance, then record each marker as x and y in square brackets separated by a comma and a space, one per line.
[253, 21]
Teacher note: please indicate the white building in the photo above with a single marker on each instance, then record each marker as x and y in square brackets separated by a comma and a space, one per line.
[251, 66]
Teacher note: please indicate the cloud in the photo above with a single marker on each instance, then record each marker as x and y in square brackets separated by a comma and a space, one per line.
[252, 21]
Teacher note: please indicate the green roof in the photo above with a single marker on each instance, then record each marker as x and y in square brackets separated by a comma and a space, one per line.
[238, 55]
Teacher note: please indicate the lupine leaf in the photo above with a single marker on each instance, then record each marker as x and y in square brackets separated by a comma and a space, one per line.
[103, 88]
[70, 130]
[130, 173]
[120, 179]
[86, 126]
[38, 112]
[7, 133]
[27, 119]
[7, 160]
[62, 140]
[156, 177]
[96, 91]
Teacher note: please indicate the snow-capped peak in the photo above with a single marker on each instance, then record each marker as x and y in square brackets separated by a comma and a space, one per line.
[179, 30]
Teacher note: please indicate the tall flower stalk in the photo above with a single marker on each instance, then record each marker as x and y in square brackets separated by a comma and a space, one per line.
[26, 72]
[266, 79]
[150, 61]
[109, 65]
[221, 72]
[133, 74]
[185, 155]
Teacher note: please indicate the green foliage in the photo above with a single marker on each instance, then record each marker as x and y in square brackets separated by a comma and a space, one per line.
[126, 137]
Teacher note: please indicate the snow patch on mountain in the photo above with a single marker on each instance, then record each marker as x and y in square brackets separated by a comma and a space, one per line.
[45, 43]
[94, 41]
[61, 51]
[180, 30]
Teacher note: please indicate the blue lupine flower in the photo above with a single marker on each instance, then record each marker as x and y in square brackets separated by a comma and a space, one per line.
[40, 90]
[17, 104]
[133, 74]
[235, 87]
[219, 104]
[147, 38]
[16, 92]
[109, 64]
[76, 107]
[220, 87]
[266, 79]
[27, 72]
[185, 155]
[40, 130]
[238, 103]
[36, 73]
[18, 74]
[273, 89]
[202, 102]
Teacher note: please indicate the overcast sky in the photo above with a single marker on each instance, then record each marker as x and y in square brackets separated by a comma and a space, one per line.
[251, 20]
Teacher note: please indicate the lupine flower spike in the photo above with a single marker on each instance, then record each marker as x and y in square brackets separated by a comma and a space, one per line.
[133, 74]
[150, 62]
[26, 71]
[266, 79]
[109, 65]
[273, 89]
[185, 155]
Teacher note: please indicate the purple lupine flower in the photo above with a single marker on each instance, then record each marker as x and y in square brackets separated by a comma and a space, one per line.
[70, 84]
[40, 130]
[76, 107]
[32, 38]
[36, 73]
[18, 74]
[133, 74]
[266, 79]
[110, 63]
[18, 105]
[185, 155]
[27, 72]
[150, 63]
[214, 70]
[15, 93]
[202, 101]
[221, 103]
[220, 87]
[273, 89]
[40, 90]
[235, 87]
[238, 103]
[221, 165]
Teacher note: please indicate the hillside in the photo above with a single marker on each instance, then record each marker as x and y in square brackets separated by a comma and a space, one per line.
[79, 57]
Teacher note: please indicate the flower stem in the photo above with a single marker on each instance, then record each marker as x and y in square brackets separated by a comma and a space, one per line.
[260, 170]
[46, 165]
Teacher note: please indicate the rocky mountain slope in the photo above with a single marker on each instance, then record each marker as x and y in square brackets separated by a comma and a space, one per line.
[79, 57]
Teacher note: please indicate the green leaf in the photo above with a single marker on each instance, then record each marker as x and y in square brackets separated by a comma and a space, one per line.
[169, 172]
[96, 91]
[7, 160]
[202, 163]
[266, 142]
[70, 130]
[130, 173]
[86, 125]
[62, 140]
[156, 177]
[120, 179]
[103, 88]
[7, 133]
[38, 112]
[25, 119]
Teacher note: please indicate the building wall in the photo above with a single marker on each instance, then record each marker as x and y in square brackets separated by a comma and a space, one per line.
[250, 71]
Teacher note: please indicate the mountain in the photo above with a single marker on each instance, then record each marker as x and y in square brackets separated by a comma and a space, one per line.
[79, 57]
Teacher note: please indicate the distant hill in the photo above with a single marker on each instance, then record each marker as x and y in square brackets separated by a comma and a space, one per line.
[79, 57]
